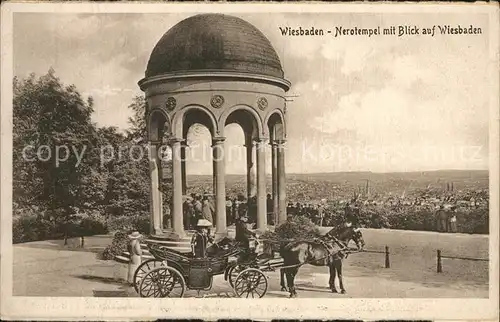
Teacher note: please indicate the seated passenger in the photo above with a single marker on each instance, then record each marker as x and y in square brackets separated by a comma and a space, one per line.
[201, 238]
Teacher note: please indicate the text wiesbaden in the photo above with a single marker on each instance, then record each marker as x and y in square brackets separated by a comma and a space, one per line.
[377, 31]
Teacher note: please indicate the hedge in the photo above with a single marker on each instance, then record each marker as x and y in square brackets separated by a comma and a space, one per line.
[472, 221]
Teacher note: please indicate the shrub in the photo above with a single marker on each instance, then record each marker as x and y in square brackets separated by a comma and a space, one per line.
[298, 227]
[31, 228]
[90, 226]
[407, 217]
[31, 224]
[129, 223]
[118, 245]
[142, 224]
[473, 222]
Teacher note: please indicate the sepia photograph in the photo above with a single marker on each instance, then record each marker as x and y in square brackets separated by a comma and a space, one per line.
[250, 161]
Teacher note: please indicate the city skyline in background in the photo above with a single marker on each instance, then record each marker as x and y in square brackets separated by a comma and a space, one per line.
[403, 104]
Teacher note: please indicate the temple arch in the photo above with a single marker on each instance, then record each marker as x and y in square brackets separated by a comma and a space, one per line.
[247, 83]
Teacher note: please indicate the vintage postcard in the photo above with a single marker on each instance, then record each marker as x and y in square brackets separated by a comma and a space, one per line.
[258, 161]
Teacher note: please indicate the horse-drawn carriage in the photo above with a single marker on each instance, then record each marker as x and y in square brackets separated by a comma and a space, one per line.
[170, 273]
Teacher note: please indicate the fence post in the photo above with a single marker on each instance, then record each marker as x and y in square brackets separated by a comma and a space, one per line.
[387, 261]
[439, 265]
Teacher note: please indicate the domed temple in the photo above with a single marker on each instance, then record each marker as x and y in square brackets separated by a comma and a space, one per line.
[216, 70]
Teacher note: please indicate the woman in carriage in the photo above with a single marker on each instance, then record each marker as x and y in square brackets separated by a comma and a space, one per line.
[201, 239]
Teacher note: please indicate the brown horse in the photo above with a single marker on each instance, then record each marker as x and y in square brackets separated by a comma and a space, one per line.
[328, 250]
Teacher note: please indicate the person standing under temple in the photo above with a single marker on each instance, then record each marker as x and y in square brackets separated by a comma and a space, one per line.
[207, 210]
[198, 209]
[188, 213]
[242, 206]
[270, 209]
[229, 209]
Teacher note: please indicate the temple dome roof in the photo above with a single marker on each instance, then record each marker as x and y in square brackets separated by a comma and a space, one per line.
[214, 42]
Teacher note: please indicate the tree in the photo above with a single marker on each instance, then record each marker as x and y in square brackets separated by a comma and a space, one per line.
[138, 129]
[55, 121]
[137, 135]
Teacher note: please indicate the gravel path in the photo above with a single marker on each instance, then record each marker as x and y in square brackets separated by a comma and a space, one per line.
[43, 269]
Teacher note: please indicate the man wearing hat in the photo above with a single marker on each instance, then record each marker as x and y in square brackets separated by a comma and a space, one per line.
[207, 209]
[201, 238]
[243, 233]
[188, 209]
[135, 251]
[198, 209]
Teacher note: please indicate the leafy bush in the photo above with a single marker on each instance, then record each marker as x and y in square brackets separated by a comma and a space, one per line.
[407, 217]
[121, 223]
[298, 227]
[129, 223]
[142, 224]
[474, 222]
[31, 228]
[32, 224]
[124, 226]
[90, 226]
[118, 245]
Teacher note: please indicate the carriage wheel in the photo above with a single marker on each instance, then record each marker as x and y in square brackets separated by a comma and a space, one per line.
[143, 269]
[233, 273]
[251, 282]
[162, 282]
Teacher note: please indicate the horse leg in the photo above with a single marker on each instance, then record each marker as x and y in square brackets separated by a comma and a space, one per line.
[339, 274]
[290, 277]
[282, 280]
[333, 273]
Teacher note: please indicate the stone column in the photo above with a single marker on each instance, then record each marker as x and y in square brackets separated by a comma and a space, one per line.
[177, 222]
[154, 192]
[184, 146]
[274, 160]
[251, 188]
[261, 186]
[281, 181]
[159, 158]
[220, 186]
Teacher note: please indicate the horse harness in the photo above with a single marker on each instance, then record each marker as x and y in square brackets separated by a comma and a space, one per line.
[331, 249]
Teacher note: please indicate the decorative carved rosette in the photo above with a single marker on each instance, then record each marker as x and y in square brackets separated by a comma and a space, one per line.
[262, 103]
[171, 103]
[217, 101]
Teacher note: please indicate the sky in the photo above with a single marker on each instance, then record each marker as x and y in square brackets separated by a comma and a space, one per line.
[381, 104]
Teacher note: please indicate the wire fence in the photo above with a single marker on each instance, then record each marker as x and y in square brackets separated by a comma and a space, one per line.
[440, 257]
[386, 252]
